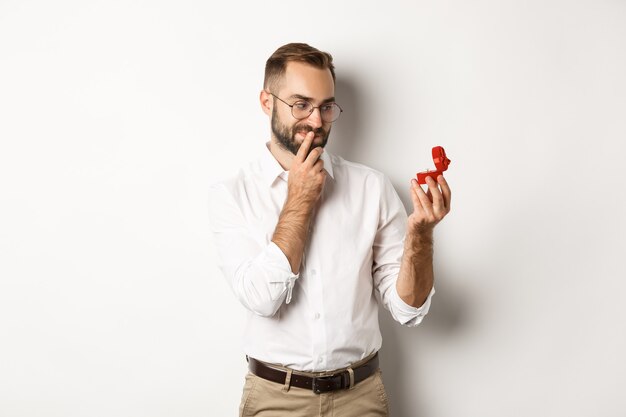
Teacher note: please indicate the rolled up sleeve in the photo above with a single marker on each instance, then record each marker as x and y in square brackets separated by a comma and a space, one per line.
[259, 275]
[406, 314]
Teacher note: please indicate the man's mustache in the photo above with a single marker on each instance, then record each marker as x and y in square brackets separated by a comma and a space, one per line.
[307, 129]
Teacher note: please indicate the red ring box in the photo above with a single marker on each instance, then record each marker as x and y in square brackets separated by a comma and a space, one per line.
[441, 163]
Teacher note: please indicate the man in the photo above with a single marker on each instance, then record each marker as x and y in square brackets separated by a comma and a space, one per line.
[309, 242]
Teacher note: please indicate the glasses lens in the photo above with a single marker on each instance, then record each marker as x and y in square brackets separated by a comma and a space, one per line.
[301, 109]
[330, 112]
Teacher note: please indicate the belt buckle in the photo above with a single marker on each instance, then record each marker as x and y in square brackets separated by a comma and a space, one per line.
[316, 388]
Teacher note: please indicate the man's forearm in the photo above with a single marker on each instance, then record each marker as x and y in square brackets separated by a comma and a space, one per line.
[292, 231]
[416, 278]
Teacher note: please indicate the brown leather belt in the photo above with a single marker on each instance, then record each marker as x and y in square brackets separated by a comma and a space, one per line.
[320, 384]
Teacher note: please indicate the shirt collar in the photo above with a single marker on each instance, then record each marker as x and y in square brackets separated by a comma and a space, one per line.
[271, 169]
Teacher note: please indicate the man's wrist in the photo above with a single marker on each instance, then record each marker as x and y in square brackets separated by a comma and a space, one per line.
[420, 234]
[298, 206]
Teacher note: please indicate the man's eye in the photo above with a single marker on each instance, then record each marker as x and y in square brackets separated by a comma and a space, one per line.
[327, 108]
[301, 105]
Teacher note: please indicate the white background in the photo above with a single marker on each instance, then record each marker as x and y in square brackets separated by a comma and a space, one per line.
[115, 116]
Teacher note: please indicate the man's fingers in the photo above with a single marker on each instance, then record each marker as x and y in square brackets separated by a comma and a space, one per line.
[417, 204]
[432, 205]
[445, 189]
[314, 155]
[303, 151]
[318, 166]
[427, 205]
[435, 195]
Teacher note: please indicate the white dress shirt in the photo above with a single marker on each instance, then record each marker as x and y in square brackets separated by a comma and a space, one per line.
[326, 317]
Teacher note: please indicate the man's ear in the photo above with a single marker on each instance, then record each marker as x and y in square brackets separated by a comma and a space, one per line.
[266, 102]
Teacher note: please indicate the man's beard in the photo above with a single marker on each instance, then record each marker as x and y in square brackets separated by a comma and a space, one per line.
[287, 136]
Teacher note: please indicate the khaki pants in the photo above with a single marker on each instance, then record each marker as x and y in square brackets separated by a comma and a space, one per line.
[263, 398]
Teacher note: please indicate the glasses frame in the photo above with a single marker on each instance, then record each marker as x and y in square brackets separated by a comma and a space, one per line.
[312, 108]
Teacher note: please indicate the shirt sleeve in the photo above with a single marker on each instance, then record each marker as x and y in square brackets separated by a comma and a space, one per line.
[387, 253]
[259, 275]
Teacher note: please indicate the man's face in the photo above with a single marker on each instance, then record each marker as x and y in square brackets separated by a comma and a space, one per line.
[302, 81]
[291, 136]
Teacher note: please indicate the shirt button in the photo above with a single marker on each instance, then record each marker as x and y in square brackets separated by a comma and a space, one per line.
[317, 316]
[320, 359]
[313, 272]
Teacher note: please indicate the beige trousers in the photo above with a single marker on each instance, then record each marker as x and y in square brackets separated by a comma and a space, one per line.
[263, 398]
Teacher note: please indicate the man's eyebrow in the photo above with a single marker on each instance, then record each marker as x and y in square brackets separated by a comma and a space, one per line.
[310, 99]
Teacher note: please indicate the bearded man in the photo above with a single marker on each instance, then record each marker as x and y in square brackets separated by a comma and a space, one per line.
[311, 244]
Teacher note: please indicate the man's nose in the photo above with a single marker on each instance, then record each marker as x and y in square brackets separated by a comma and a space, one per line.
[315, 118]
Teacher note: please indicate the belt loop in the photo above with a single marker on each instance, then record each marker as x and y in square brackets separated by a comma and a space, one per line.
[351, 372]
[287, 381]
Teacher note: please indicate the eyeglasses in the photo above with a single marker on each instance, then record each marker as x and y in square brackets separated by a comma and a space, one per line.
[301, 109]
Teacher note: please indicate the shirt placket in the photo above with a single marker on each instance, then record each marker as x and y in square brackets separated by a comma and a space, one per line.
[311, 267]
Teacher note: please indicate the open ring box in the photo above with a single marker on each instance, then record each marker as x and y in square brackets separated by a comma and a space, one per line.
[441, 163]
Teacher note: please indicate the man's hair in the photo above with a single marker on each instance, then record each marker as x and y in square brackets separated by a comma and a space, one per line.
[277, 63]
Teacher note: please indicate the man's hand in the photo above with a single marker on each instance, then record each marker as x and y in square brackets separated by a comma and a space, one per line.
[306, 175]
[304, 188]
[430, 207]
[416, 277]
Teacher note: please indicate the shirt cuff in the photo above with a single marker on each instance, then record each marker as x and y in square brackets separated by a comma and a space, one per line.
[279, 259]
[407, 314]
